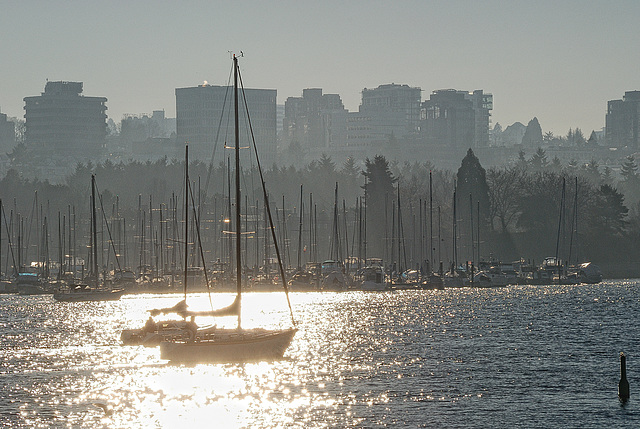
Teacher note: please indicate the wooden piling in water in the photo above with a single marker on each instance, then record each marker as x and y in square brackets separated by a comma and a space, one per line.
[623, 385]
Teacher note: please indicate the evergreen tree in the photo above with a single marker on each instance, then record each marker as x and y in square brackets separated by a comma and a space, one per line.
[607, 176]
[539, 161]
[379, 194]
[349, 167]
[326, 165]
[572, 168]
[522, 162]
[578, 138]
[533, 134]
[556, 165]
[548, 138]
[629, 169]
[592, 173]
[630, 183]
[610, 212]
[472, 189]
[570, 139]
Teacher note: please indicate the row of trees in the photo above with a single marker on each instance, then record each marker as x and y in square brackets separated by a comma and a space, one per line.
[531, 209]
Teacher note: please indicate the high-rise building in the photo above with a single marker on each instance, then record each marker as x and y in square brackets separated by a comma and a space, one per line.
[313, 120]
[456, 119]
[63, 122]
[204, 118]
[623, 121]
[7, 134]
[394, 98]
[482, 106]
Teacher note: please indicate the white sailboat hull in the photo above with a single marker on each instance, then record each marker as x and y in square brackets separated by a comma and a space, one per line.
[98, 295]
[230, 345]
[166, 331]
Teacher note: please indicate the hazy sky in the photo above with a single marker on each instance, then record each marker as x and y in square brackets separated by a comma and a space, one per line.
[557, 60]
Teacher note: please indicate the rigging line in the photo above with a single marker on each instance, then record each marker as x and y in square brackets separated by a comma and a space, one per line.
[268, 208]
[28, 238]
[247, 125]
[197, 222]
[6, 226]
[215, 143]
[104, 217]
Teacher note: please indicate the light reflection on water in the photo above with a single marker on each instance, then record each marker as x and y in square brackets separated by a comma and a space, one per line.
[517, 356]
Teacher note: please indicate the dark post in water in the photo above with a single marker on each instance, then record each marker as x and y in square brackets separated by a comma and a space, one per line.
[623, 386]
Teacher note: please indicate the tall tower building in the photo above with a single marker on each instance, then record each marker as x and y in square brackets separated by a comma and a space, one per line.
[623, 121]
[456, 119]
[7, 134]
[311, 121]
[65, 123]
[204, 117]
[394, 98]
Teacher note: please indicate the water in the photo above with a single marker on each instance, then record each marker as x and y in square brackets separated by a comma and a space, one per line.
[522, 356]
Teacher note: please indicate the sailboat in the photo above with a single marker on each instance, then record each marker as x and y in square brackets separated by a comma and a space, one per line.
[91, 290]
[232, 344]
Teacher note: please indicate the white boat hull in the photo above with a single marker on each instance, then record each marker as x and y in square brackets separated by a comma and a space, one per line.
[110, 295]
[230, 345]
[167, 331]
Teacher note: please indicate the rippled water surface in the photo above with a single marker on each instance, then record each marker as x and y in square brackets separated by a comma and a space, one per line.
[522, 356]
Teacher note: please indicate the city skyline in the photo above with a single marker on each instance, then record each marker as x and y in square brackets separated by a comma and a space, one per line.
[558, 62]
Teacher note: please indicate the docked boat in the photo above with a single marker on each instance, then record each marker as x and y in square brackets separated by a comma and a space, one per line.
[82, 292]
[239, 344]
[153, 333]
[229, 345]
[372, 278]
[93, 288]
[30, 284]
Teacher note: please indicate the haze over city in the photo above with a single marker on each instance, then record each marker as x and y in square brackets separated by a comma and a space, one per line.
[560, 62]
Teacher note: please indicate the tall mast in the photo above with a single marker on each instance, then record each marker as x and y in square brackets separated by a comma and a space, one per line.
[186, 216]
[430, 223]
[560, 219]
[237, 151]
[94, 226]
[300, 232]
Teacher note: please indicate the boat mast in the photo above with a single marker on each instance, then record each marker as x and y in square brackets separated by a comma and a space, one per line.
[430, 223]
[455, 232]
[300, 232]
[186, 217]
[94, 227]
[237, 151]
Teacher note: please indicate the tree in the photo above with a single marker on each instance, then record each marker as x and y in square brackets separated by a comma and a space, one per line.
[522, 162]
[503, 196]
[572, 168]
[607, 176]
[19, 154]
[533, 134]
[629, 169]
[349, 167]
[539, 205]
[630, 183]
[472, 190]
[610, 212]
[593, 139]
[592, 173]
[326, 165]
[379, 193]
[295, 153]
[578, 137]
[548, 138]
[539, 161]
[556, 165]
